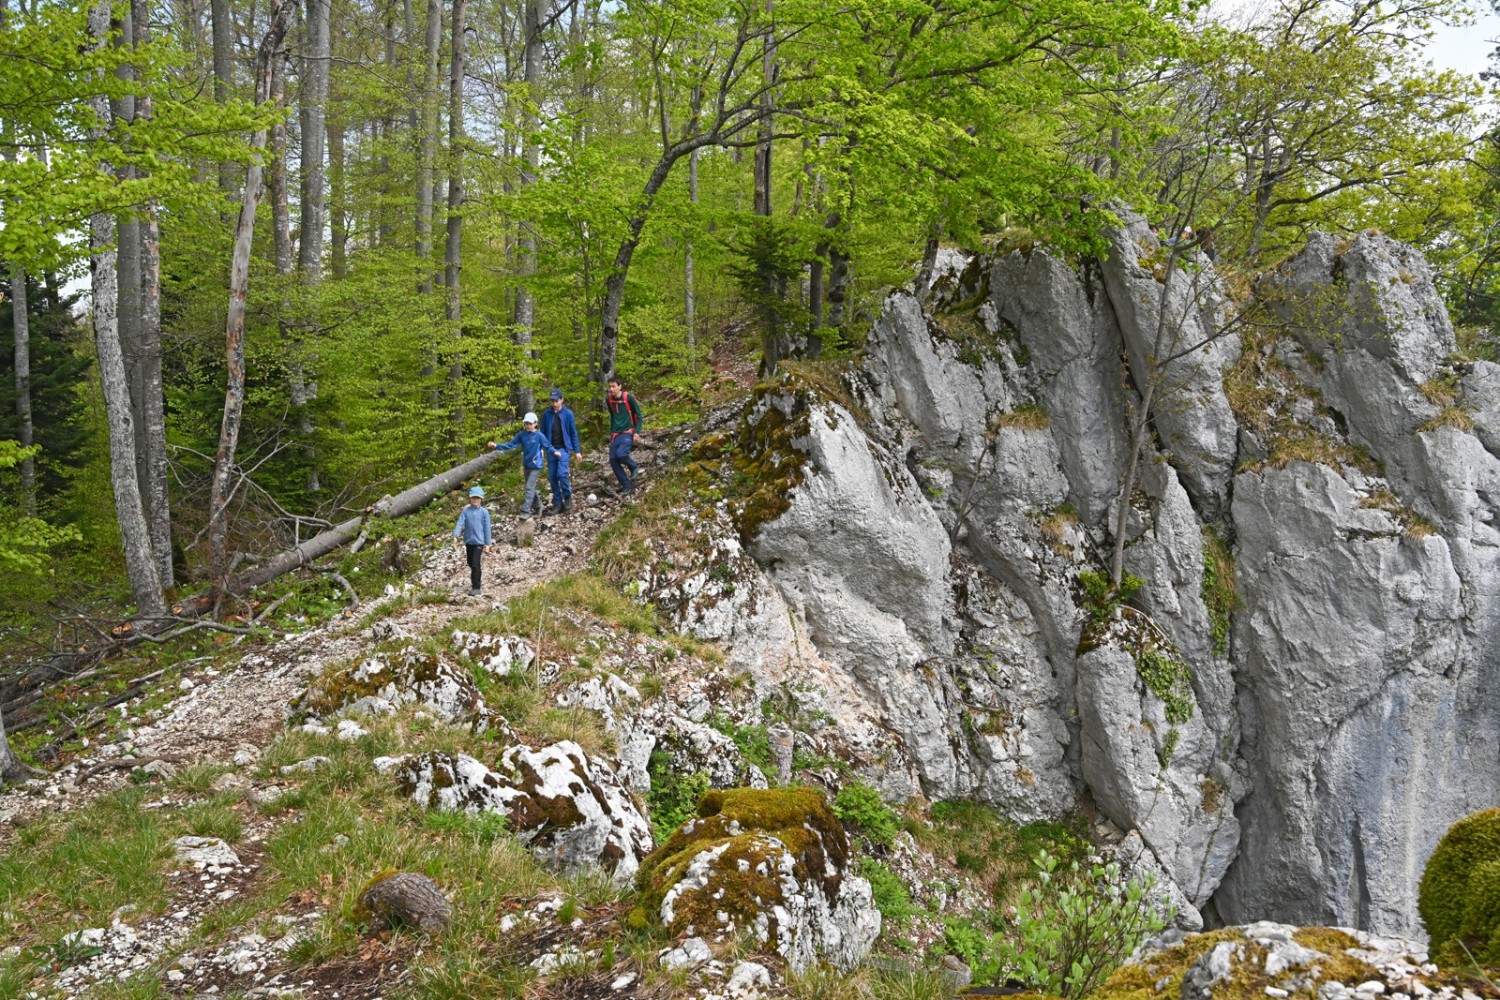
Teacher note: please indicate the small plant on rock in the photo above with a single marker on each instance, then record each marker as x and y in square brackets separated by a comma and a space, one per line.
[861, 806]
[1074, 926]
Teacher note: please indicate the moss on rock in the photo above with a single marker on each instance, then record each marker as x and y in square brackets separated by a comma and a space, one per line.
[1161, 973]
[1459, 896]
[754, 837]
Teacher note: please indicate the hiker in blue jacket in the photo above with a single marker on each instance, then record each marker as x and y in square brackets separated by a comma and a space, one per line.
[532, 444]
[560, 431]
[474, 528]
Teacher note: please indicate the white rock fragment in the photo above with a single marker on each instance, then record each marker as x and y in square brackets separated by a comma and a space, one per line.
[310, 764]
[692, 952]
[205, 851]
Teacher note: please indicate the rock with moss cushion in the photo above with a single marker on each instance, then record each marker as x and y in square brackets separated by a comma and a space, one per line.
[408, 676]
[1460, 892]
[773, 863]
[569, 808]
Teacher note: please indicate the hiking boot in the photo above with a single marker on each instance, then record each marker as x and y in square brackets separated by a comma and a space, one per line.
[567, 506]
[551, 510]
[473, 591]
[524, 510]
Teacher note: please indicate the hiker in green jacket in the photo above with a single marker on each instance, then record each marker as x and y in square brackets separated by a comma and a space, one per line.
[624, 426]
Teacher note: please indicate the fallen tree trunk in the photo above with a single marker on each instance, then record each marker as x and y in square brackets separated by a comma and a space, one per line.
[25, 678]
[406, 502]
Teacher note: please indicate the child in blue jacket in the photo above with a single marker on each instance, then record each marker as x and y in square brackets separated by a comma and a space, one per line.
[532, 446]
[473, 528]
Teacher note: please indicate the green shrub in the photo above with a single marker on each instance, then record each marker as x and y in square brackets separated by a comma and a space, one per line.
[753, 740]
[673, 796]
[1459, 896]
[1074, 926]
[975, 944]
[891, 896]
[862, 806]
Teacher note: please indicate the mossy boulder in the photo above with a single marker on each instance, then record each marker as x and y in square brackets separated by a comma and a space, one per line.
[1241, 963]
[770, 862]
[569, 808]
[1459, 896]
[407, 676]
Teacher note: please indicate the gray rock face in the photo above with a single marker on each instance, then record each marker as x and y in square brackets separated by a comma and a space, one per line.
[1163, 314]
[1350, 713]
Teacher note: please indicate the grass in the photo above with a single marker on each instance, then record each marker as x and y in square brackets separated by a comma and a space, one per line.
[1026, 417]
[1414, 524]
[65, 872]
[1303, 444]
[1442, 389]
[994, 851]
[1456, 417]
[1218, 587]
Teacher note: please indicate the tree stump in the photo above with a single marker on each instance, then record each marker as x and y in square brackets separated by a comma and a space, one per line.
[392, 559]
[407, 898]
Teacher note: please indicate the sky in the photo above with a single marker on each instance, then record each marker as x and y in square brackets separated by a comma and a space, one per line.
[1465, 48]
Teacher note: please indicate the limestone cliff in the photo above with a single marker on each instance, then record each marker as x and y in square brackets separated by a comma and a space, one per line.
[1319, 443]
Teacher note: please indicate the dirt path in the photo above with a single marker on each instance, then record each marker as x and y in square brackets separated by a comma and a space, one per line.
[229, 717]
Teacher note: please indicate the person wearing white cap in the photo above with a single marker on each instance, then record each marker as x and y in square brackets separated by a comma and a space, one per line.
[532, 446]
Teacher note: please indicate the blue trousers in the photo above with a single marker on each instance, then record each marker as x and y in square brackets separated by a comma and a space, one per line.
[557, 475]
[620, 460]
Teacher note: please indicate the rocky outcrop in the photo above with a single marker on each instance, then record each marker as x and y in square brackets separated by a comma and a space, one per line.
[408, 676]
[1320, 558]
[569, 808]
[771, 864]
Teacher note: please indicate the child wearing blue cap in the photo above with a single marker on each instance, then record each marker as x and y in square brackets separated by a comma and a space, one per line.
[474, 528]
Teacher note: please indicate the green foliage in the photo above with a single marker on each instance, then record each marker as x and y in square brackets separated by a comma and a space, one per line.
[1459, 895]
[975, 944]
[60, 369]
[1218, 588]
[1101, 598]
[1075, 926]
[1170, 678]
[673, 796]
[892, 898]
[752, 739]
[25, 541]
[861, 806]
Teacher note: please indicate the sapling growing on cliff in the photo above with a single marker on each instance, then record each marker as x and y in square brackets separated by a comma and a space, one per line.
[1075, 926]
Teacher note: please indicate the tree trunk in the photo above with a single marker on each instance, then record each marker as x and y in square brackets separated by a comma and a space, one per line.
[140, 563]
[281, 215]
[336, 198]
[314, 98]
[525, 315]
[429, 146]
[220, 490]
[838, 287]
[689, 293]
[316, 61]
[223, 32]
[614, 285]
[21, 324]
[128, 269]
[406, 502]
[153, 403]
[11, 768]
[452, 254]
